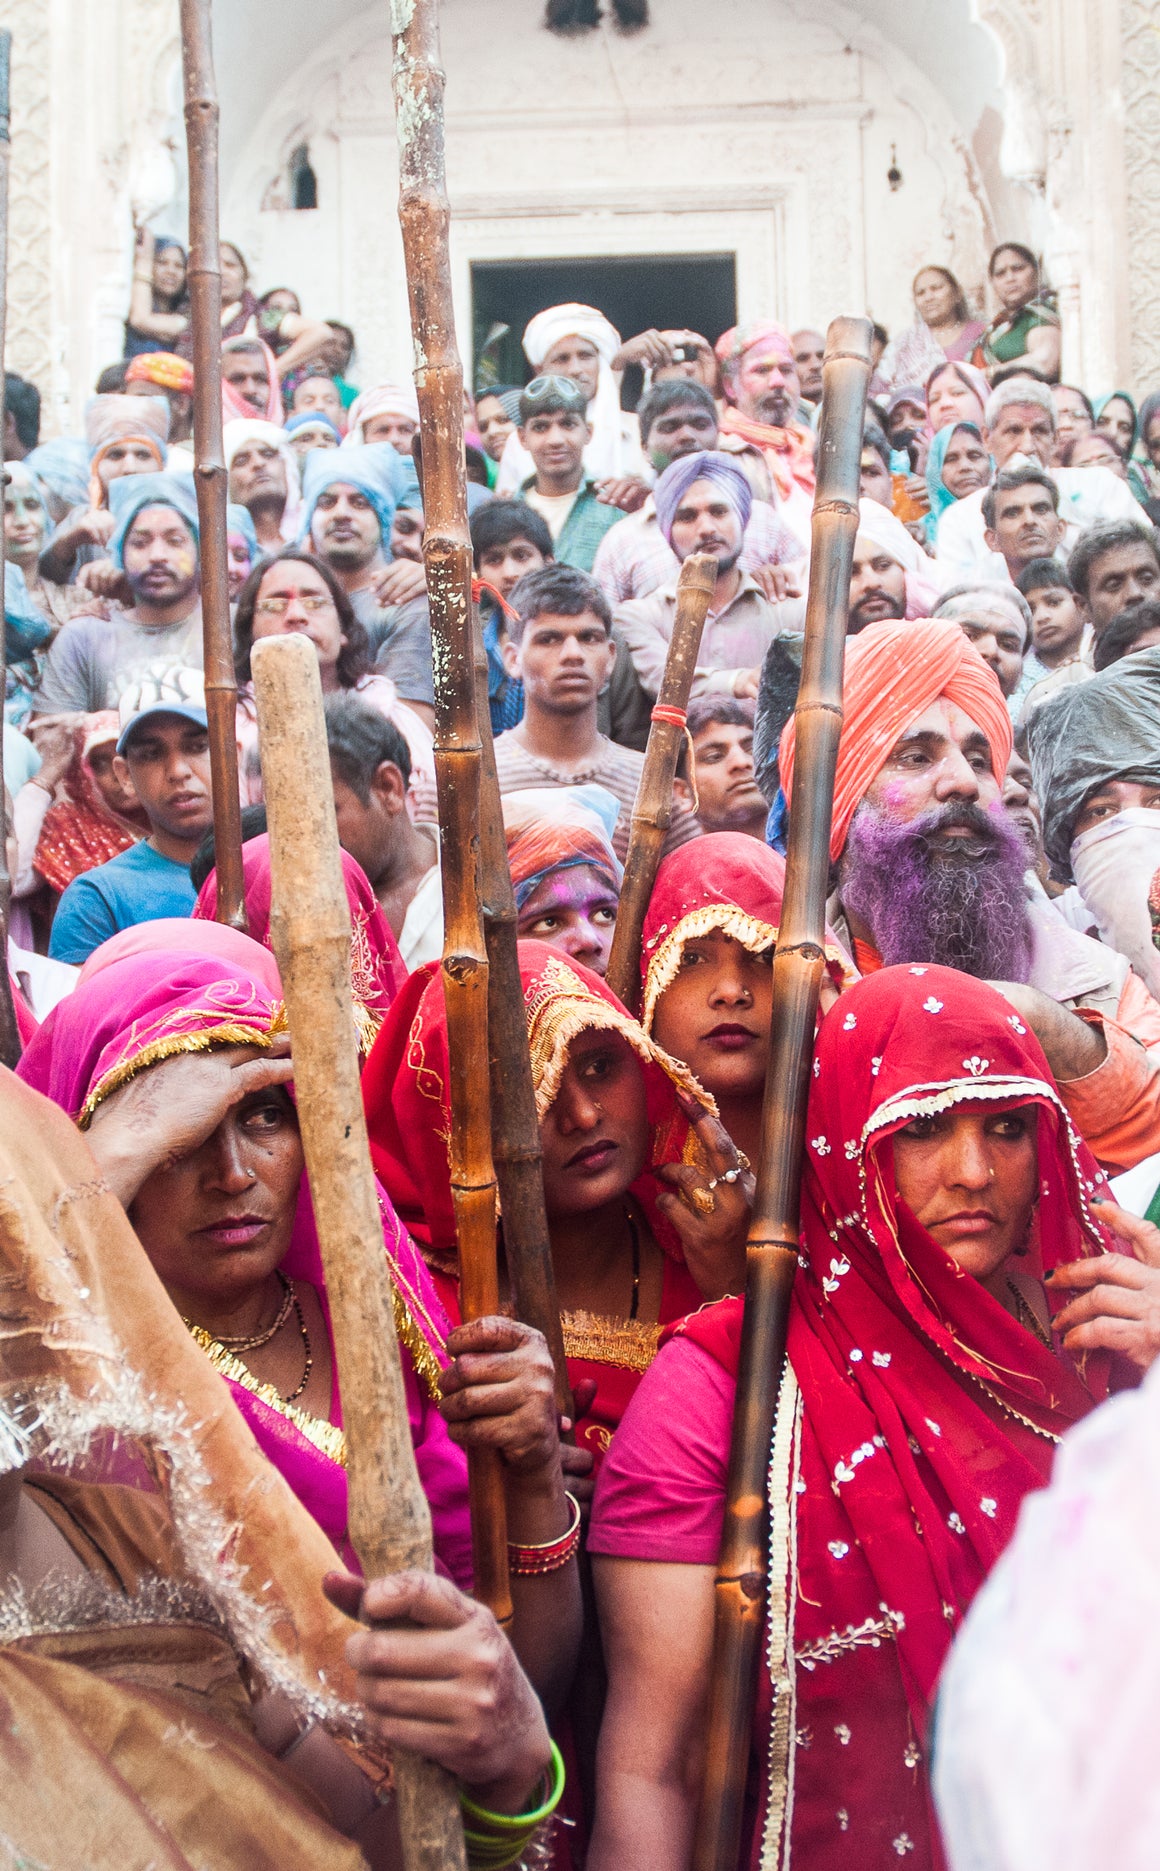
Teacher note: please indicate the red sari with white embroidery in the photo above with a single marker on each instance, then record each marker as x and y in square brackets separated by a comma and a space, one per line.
[915, 1414]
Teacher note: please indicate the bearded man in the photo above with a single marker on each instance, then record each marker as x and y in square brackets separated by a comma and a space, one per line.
[930, 870]
[763, 391]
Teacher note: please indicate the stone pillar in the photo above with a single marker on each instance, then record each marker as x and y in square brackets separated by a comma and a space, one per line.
[30, 308]
[1140, 86]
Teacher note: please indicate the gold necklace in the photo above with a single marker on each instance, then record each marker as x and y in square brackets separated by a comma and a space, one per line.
[254, 1340]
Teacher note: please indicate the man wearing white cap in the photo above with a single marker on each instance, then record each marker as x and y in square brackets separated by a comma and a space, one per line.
[891, 574]
[577, 341]
[163, 750]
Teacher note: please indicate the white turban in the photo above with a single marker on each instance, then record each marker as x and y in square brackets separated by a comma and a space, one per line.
[386, 399]
[877, 523]
[607, 455]
[242, 430]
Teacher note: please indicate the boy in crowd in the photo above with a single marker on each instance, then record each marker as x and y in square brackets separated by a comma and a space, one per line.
[163, 750]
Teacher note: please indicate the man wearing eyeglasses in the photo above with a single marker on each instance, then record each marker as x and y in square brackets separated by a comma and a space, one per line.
[554, 429]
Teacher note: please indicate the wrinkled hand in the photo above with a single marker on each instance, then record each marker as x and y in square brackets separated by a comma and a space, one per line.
[399, 582]
[647, 348]
[918, 492]
[746, 683]
[443, 1681]
[629, 493]
[714, 1243]
[1117, 1296]
[167, 1112]
[105, 580]
[777, 582]
[500, 1393]
[53, 736]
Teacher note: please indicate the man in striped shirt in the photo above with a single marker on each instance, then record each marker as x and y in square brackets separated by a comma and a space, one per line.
[560, 644]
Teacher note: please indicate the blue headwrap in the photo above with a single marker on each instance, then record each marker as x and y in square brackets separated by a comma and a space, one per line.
[238, 521]
[129, 494]
[708, 465]
[310, 418]
[940, 494]
[375, 468]
[62, 468]
[26, 627]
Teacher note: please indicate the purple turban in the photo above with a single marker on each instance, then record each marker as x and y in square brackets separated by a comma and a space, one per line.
[709, 465]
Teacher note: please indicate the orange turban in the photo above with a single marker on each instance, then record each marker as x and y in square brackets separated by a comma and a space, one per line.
[894, 672]
[164, 368]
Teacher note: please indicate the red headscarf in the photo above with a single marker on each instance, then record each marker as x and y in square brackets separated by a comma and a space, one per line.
[917, 1412]
[376, 968]
[405, 1090]
[80, 831]
[894, 671]
[724, 881]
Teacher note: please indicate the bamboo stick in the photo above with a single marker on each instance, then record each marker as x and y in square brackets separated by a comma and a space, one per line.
[10, 1047]
[390, 1523]
[652, 809]
[515, 1129]
[799, 961]
[424, 215]
[211, 480]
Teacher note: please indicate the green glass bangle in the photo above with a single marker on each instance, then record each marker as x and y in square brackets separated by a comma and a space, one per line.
[505, 1823]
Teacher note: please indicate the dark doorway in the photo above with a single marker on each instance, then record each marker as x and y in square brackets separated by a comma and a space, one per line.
[694, 290]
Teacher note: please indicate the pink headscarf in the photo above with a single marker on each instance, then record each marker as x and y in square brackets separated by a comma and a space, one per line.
[175, 934]
[129, 1016]
[377, 970]
[385, 399]
[233, 405]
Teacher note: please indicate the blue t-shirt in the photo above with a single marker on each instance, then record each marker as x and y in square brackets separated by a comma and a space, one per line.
[137, 886]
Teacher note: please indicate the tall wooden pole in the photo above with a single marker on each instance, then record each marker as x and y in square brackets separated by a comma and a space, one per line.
[390, 1523]
[798, 964]
[653, 807]
[205, 298]
[424, 215]
[515, 1128]
[9, 1031]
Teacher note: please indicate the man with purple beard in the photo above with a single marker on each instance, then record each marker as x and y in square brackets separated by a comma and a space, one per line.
[930, 869]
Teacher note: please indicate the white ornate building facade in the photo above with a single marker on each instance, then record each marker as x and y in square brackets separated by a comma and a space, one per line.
[807, 155]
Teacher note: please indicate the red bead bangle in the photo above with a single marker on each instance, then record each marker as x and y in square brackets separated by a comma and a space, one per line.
[532, 1562]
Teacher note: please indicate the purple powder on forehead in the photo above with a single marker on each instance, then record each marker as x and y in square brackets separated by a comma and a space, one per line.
[959, 906]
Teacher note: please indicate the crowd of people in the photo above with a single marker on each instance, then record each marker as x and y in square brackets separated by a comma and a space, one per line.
[980, 1240]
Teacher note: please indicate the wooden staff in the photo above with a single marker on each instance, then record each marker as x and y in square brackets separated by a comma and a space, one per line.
[205, 302]
[10, 1048]
[653, 807]
[424, 215]
[515, 1128]
[798, 964]
[390, 1523]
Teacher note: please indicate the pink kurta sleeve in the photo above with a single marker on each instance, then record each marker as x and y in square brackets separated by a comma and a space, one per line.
[661, 1491]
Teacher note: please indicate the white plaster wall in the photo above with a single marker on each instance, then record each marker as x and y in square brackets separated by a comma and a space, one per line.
[773, 140]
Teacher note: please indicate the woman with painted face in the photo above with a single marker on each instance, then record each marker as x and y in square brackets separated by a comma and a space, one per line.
[565, 873]
[926, 1385]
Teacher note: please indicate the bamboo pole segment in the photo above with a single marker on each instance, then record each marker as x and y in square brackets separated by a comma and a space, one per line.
[424, 216]
[653, 807]
[799, 960]
[390, 1523]
[10, 1047]
[211, 480]
[515, 1129]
